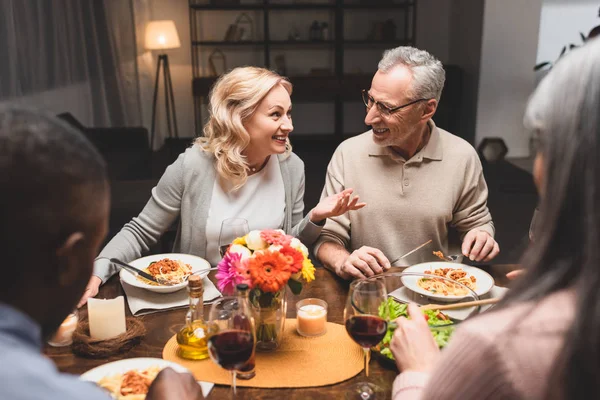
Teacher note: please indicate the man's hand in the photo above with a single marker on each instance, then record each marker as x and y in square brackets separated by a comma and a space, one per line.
[169, 384]
[413, 345]
[91, 290]
[479, 245]
[362, 263]
[334, 205]
[514, 274]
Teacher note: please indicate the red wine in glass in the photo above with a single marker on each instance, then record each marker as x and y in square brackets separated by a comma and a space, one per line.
[231, 349]
[366, 330]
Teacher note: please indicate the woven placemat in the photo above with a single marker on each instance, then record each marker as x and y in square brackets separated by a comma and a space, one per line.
[298, 362]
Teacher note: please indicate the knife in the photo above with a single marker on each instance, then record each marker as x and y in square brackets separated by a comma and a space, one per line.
[133, 270]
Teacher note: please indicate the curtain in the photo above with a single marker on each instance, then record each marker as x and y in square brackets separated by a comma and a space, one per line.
[88, 47]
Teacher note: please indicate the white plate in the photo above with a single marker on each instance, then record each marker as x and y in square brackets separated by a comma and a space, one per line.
[122, 366]
[198, 264]
[485, 282]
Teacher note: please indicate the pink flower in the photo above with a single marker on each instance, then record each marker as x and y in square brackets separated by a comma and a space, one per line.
[227, 273]
[243, 273]
[276, 237]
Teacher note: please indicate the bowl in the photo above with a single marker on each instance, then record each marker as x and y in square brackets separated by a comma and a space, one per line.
[399, 297]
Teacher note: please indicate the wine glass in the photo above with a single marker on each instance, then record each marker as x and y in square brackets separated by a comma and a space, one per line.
[232, 339]
[231, 228]
[366, 327]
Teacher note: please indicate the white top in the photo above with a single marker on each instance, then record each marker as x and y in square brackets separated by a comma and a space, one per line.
[261, 201]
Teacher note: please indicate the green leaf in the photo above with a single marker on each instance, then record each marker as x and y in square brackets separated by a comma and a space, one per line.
[295, 286]
[562, 52]
[541, 65]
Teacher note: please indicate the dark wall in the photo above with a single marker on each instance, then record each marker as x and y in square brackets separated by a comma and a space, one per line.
[466, 30]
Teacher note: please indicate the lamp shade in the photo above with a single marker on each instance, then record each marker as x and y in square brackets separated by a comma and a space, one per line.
[162, 35]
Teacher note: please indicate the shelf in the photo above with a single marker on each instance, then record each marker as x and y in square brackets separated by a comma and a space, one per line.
[301, 42]
[228, 43]
[258, 7]
[300, 6]
[376, 6]
[327, 85]
[366, 42]
[309, 88]
[232, 7]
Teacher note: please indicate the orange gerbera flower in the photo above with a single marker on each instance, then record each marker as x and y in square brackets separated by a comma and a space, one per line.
[270, 270]
[272, 236]
[295, 258]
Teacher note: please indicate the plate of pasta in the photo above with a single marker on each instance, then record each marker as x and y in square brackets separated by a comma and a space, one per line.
[129, 379]
[173, 269]
[458, 277]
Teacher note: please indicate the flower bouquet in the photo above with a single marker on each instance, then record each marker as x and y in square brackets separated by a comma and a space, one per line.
[267, 261]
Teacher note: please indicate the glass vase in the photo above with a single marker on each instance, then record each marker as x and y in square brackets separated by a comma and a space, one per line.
[269, 317]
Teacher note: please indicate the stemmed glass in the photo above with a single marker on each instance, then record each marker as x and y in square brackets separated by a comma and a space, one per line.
[232, 339]
[231, 228]
[366, 327]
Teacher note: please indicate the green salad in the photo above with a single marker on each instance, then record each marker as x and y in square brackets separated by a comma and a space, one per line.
[391, 309]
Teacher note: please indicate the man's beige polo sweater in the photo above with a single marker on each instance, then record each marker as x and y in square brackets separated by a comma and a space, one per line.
[408, 202]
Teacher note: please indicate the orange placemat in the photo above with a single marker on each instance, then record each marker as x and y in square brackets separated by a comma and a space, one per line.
[298, 362]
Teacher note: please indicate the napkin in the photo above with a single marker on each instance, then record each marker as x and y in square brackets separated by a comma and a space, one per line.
[206, 387]
[142, 301]
[405, 295]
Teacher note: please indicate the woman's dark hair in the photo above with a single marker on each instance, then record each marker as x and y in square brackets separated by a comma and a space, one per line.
[564, 112]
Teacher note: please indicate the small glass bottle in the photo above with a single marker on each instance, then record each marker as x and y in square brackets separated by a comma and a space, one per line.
[192, 338]
[247, 371]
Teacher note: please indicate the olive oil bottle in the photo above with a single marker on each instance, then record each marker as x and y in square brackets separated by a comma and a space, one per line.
[192, 338]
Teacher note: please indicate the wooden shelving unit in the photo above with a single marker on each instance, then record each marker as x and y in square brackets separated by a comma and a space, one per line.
[338, 87]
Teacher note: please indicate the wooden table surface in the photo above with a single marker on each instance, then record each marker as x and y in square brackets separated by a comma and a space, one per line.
[162, 326]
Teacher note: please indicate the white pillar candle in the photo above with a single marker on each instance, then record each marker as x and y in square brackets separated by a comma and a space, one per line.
[106, 318]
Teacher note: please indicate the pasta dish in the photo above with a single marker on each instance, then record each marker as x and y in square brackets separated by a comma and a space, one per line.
[132, 385]
[167, 272]
[447, 286]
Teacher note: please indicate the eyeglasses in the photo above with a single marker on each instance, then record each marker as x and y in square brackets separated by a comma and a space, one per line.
[384, 110]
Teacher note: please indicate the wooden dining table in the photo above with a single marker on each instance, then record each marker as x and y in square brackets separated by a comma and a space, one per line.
[161, 326]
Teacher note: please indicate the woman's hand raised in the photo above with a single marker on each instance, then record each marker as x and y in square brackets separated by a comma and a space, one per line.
[334, 205]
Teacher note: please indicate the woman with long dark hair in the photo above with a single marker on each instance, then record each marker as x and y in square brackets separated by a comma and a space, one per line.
[543, 340]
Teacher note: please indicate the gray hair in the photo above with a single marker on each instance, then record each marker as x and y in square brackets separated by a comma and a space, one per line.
[563, 111]
[428, 73]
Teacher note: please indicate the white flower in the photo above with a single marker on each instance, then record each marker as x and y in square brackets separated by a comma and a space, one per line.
[242, 250]
[296, 244]
[255, 242]
[275, 247]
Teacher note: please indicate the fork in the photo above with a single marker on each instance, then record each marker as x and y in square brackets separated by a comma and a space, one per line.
[452, 258]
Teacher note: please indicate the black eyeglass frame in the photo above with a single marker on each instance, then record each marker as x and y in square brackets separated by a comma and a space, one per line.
[383, 109]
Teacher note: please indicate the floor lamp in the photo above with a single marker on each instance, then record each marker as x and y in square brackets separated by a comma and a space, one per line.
[162, 35]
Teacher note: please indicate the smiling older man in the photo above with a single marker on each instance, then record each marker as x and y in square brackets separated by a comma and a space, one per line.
[418, 180]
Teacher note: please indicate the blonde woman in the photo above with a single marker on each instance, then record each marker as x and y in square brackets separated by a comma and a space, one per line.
[242, 167]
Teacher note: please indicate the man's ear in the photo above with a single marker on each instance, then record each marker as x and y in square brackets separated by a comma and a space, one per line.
[429, 109]
[70, 257]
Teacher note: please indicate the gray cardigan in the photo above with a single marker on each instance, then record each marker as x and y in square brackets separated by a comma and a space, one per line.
[185, 191]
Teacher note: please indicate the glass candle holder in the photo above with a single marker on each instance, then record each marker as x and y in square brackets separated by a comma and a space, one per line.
[311, 317]
[64, 334]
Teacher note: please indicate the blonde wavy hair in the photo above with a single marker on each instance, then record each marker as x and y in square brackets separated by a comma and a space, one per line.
[234, 98]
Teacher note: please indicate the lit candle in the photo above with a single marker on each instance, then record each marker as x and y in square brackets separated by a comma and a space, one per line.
[106, 318]
[64, 334]
[311, 317]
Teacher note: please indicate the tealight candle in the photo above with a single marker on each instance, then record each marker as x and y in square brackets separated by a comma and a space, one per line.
[311, 317]
[64, 334]
[106, 318]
